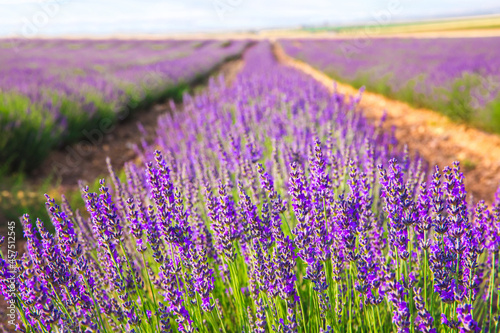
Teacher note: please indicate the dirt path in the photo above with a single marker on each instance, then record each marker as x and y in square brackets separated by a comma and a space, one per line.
[432, 135]
[84, 161]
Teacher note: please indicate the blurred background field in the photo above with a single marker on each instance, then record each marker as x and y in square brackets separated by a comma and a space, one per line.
[482, 24]
[59, 92]
[459, 77]
[54, 91]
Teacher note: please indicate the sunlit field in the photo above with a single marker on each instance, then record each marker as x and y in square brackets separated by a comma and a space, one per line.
[222, 186]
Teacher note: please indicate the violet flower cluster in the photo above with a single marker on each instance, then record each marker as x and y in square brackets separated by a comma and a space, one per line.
[268, 205]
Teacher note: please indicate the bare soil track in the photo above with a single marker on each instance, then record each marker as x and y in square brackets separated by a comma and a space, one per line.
[439, 140]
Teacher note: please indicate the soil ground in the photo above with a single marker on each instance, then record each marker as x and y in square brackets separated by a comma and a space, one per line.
[439, 140]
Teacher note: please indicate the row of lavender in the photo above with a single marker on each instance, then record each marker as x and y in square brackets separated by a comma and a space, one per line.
[274, 207]
[456, 76]
[53, 90]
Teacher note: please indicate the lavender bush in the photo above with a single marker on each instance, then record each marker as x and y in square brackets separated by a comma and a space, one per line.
[456, 76]
[270, 206]
[53, 90]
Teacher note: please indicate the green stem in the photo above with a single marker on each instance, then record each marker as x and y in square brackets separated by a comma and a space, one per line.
[349, 297]
[220, 318]
[289, 229]
[425, 277]
[492, 283]
[185, 295]
[135, 284]
[301, 309]
[101, 322]
[60, 304]
[239, 301]
[153, 292]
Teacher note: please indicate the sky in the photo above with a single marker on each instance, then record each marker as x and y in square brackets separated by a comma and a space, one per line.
[28, 18]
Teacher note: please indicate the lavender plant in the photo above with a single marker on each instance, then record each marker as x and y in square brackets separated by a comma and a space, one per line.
[455, 76]
[266, 206]
[54, 91]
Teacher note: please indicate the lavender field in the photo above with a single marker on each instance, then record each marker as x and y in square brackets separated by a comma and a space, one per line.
[53, 91]
[263, 205]
[456, 76]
